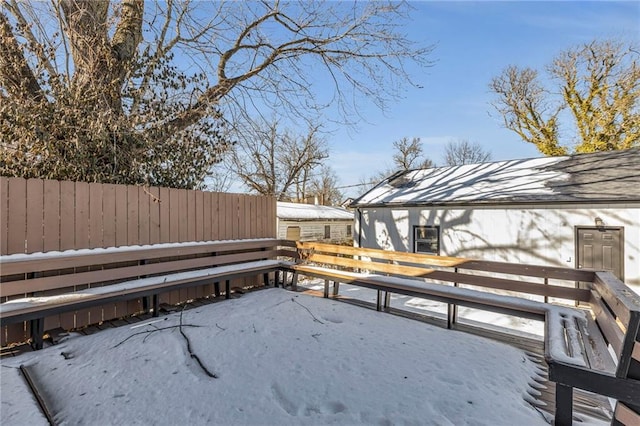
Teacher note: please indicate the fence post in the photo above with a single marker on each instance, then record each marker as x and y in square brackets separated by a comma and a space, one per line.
[546, 283]
[452, 309]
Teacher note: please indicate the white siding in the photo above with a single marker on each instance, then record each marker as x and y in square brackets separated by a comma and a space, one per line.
[542, 235]
[314, 230]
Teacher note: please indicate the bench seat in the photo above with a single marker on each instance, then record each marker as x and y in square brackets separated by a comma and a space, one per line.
[30, 308]
[87, 286]
[561, 321]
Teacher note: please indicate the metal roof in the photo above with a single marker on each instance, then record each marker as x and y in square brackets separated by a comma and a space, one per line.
[297, 211]
[597, 177]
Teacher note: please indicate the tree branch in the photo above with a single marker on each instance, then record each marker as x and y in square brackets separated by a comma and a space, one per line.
[15, 74]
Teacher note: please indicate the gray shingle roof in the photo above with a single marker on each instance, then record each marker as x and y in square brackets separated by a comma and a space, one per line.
[597, 177]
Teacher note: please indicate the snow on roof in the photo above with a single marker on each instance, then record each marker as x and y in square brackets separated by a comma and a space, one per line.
[297, 211]
[612, 176]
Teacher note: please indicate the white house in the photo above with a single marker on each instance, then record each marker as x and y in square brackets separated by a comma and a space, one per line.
[578, 211]
[311, 222]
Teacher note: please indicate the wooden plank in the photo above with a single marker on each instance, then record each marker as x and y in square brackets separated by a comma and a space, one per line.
[144, 201]
[154, 215]
[191, 216]
[462, 263]
[630, 340]
[35, 215]
[67, 215]
[453, 277]
[82, 215]
[109, 215]
[381, 254]
[16, 217]
[174, 215]
[635, 354]
[95, 215]
[620, 298]
[199, 215]
[253, 217]
[273, 221]
[607, 323]
[121, 219]
[165, 223]
[183, 216]
[4, 211]
[234, 216]
[73, 260]
[244, 211]
[51, 218]
[132, 215]
[626, 415]
[473, 299]
[220, 212]
[596, 349]
[261, 212]
[264, 217]
[160, 285]
[207, 216]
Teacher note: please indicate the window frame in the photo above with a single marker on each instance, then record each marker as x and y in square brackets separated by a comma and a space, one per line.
[416, 240]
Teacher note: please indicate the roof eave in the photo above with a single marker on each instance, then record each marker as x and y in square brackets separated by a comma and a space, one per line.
[475, 203]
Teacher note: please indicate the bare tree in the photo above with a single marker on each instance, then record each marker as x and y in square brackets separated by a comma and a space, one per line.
[132, 91]
[410, 155]
[598, 84]
[459, 152]
[325, 187]
[272, 161]
[219, 179]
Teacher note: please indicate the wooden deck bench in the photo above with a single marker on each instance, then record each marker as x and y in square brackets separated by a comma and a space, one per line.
[606, 353]
[577, 340]
[37, 286]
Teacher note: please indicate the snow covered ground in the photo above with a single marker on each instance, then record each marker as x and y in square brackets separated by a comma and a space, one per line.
[280, 358]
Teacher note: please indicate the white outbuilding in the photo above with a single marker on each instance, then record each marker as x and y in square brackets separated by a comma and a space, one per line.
[579, 211]
[312, 222]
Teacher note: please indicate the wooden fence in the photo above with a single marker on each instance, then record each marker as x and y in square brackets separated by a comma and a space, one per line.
[44, 215]
[39, 215]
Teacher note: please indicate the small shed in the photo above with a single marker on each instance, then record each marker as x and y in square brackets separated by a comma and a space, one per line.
[312, 222]
[579, 211]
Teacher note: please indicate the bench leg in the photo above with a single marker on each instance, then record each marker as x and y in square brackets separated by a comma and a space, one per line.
[216, 289]
[336, 288]
[452, 315]
[227, 289]
[265, 277]
[326, 289]
[564, 405]
[156, 305]
[379, 301]
[387, 300]
[294, 282]
[37, 330]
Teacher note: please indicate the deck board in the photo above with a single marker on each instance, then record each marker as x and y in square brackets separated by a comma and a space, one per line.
[541, 393]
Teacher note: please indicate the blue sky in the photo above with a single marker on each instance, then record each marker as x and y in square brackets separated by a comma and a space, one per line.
[474, 42]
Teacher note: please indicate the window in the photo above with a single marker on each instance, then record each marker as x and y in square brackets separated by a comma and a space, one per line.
[348, 230]
[426, 239]
[327, 232]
